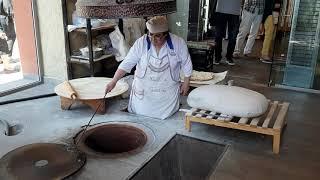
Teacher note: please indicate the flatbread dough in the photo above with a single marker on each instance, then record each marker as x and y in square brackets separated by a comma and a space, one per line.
[91, 88]
[201, 76]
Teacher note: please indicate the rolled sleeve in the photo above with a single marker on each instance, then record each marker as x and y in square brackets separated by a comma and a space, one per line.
[186, 64]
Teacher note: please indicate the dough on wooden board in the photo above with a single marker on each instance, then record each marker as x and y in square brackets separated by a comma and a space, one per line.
[229, 100]
[200, 76]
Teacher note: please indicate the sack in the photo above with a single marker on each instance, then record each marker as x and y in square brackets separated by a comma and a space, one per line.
[133, 29]
[228, 100]
[119, 44]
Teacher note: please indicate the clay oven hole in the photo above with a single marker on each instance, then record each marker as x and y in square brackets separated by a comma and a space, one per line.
[113, 139]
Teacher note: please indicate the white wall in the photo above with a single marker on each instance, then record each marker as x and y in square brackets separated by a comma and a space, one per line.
[52, 39]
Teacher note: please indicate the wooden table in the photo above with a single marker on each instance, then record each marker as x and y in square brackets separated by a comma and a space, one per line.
[90, 91]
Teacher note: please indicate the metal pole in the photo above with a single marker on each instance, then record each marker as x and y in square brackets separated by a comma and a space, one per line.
[89, 41]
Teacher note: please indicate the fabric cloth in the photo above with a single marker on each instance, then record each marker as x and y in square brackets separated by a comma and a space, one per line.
[228, 100]
[155, 89]
[250, 24]
[133, 29]
[233, 25]
[254, 6]
[157, 24]
[228, 7]
[268, 36]
[119, 44]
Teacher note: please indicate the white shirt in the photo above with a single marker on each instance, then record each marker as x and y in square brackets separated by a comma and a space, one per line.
[140, 47]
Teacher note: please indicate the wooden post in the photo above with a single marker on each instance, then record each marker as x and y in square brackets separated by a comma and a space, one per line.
[65, 103]
[276, 142]
[188, 124]
[96, 104]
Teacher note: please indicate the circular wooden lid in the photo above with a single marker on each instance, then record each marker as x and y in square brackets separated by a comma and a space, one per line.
[91, 88]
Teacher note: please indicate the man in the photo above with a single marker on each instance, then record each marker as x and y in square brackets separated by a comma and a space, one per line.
[159, 56]
[250, 23]
[227, 13]
[267, 20]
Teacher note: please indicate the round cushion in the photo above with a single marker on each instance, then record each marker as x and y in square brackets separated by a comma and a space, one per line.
[229, 100]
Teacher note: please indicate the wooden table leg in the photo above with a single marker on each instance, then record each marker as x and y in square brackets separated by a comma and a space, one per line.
[276, 143]
[66, 103]
[96, 104]
[188, 124]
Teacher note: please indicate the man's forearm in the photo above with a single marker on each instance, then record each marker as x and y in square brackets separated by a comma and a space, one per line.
[118, 75]
[186, 80]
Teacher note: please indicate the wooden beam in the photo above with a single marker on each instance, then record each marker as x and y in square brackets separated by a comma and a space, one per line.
[281, 116]
[270, 114]
[255, 121]
[243, 121]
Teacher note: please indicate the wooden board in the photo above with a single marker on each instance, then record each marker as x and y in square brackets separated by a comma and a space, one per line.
[217, 78]
[91, 88]
[261, 125]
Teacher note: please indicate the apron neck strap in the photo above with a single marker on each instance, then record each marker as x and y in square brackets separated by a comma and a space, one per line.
[169, 42]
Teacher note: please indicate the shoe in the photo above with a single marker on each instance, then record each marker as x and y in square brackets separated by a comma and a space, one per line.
[236, 55]
[267, 61]
[230, 62]
[216, 62]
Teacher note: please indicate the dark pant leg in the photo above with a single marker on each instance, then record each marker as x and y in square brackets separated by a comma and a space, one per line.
[220, 32]
[233, 29]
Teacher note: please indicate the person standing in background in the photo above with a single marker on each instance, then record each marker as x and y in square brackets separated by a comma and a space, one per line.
[250, 23]
[269, 29]
[7, 27]
[227, 13]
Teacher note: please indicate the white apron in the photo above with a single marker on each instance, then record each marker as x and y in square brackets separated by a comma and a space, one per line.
[154, 92]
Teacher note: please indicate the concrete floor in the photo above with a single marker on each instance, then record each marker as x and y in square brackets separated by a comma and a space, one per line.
[251, 69]
[249, 156]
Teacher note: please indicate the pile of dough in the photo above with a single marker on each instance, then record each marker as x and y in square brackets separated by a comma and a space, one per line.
[201, 76]
[229, 100]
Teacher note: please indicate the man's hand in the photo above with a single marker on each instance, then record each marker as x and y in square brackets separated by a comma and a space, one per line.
[185, 86]
[110, 86]
[118, 75]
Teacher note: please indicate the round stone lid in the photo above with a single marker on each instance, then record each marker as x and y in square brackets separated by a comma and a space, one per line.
[124, 8]
[41, 161]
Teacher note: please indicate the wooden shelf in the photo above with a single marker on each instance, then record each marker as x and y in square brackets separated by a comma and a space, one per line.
[85, 60]
[104, 27]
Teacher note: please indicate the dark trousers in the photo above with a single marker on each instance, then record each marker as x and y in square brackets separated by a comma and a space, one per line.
[233, 28]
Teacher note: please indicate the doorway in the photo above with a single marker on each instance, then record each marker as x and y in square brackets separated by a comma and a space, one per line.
[19, 66]
[192, 22]
[301, 68]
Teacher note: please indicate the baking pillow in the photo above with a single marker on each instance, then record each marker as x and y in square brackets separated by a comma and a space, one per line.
[229, 100]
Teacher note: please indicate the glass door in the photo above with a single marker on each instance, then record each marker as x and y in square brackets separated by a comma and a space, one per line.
[301, 68]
